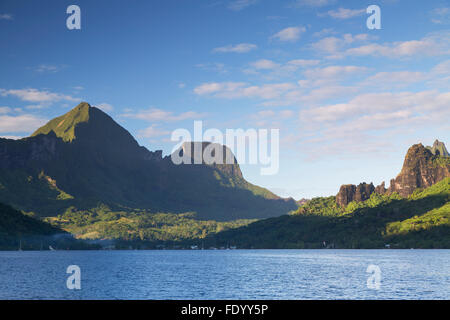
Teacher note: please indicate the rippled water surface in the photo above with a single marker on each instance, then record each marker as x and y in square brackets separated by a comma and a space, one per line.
[226, 274]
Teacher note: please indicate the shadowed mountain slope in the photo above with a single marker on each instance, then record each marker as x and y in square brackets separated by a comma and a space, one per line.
[84, 158]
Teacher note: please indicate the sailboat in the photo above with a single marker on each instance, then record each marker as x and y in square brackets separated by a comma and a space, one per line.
[20, 245]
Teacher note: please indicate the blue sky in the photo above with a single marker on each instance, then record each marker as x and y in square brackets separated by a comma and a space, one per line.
[348, 101]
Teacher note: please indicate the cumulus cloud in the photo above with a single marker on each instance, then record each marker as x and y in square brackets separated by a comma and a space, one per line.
[343, 13]
[106, 107]
[4, 110]
[289, 34]
[238, 48]
[440, 15]
[264, 64]
[431, 45]
[303, 62]
[329, 75]
[238, 5]
[35, 95]
[236, 90]
[6, 16]
[152, 132]
[357, 125]
[48, 68]
[214, 67]
[403, 104]
[334, 46]
[313, 3]
[396, 78]
[278, 70]
[154, 114]
[434, 44]
[20, 123]
[334, 72]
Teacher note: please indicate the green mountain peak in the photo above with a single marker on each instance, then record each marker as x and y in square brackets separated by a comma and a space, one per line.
[64, 126]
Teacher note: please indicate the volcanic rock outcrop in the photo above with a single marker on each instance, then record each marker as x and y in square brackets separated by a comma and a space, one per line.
[422, 167]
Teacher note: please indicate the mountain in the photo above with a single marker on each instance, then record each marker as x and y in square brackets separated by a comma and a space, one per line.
[84, 158]
[421, 220]
[413, 213]
[14, 223]
[20, 231]
[438, 148]
[422, 167]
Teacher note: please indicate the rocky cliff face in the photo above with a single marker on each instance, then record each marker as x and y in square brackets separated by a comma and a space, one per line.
[438, 149]
[422, 167]
[350, 192]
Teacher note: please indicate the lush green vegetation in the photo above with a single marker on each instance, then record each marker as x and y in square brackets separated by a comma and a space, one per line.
[64, 126]
[18, 230]
[134, 225]
[419, 221]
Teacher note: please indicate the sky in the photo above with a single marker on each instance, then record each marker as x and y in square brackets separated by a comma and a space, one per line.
[348, 100]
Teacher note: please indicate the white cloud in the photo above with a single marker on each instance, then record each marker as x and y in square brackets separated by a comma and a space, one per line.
[408, 103]
[396, 78]
[333, 72]
[318, 84]
[271, 118]
[366, 123]
[34, 95]
[434, 44]
[6, 16]
[303, 62]
[154, 114]
[443, 68]
[214, 67]
[238, 5]
[324, 32]
[264, 64]
[11, 137]
[36, 106]
[47, 68]
[236, 90]
[405, 48]
[343, 13]
[106, 107]
[313, 3]
[21, 123]
[278, 70]
[289, 34]
[238, 48]
[440, 15]
[329, 75]
[4, 110]
[431, 45]
[335, 45]
[152, 132]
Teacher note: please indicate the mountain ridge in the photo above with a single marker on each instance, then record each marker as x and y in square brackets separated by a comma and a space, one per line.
[94, 160]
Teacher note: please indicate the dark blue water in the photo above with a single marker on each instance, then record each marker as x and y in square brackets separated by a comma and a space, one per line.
[227, 274]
